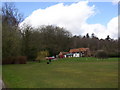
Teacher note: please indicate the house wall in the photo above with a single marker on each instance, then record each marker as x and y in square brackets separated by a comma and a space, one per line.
[80, 54]
[65, 56]
[76, 54]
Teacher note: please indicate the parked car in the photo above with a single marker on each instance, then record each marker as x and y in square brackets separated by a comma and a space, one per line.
[50, 58]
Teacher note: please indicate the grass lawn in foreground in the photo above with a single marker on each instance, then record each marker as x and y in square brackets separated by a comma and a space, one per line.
[63, 73]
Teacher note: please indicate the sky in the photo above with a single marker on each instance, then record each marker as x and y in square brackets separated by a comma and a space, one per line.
[100, 18]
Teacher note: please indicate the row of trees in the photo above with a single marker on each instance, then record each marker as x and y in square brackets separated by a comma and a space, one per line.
[94, 43]
[51, 38]
[29, 41]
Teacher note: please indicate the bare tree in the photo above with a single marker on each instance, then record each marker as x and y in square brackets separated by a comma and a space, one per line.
[11, 15]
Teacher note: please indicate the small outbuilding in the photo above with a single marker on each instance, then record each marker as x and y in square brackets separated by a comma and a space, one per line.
[63, 54]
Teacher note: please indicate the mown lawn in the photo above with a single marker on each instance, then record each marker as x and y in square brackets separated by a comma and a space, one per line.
[63, 73]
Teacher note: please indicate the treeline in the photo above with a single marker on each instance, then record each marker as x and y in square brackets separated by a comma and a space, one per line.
[28, 41]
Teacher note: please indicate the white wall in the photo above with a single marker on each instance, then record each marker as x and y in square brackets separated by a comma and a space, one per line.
[65, 56]
[76, 55]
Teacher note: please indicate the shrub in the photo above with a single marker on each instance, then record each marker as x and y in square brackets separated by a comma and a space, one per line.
[101, 54]
[114, 54]
[8, 60]
[23, 60]
[15, 60]
[41, 55]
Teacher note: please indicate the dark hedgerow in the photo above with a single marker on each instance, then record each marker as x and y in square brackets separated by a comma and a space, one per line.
[15, 60]
[101, 54]
[8, 60]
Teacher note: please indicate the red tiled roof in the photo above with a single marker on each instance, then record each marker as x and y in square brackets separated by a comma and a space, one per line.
[83, 49]
[78, 50]
[74, 50]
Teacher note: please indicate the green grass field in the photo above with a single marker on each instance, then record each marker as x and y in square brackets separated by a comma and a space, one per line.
[63, 73]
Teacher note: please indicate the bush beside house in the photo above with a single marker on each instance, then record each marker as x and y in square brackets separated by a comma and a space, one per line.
[101, 54]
